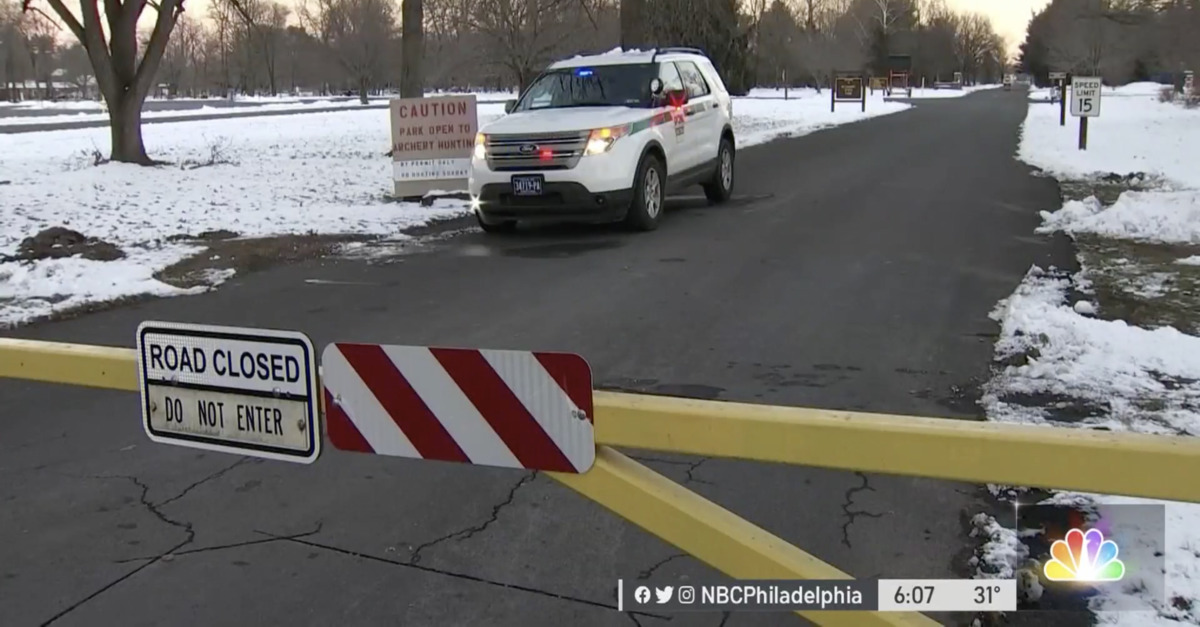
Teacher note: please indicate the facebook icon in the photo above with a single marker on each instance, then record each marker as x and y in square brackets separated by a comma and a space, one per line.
[642, 594]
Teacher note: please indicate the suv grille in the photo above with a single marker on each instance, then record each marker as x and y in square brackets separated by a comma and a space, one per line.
[527, 152]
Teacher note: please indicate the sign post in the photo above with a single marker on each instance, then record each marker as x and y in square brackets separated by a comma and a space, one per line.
[229, 389]
[1189, 83]
[432, 140]
[1085, 103]
[1060, 84]
[848, 87]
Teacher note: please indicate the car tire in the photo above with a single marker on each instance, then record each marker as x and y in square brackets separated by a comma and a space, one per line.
[649, 195]
[720, 188]
[493, 228]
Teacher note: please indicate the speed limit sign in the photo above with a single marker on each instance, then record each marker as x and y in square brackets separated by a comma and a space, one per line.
[1085, 96]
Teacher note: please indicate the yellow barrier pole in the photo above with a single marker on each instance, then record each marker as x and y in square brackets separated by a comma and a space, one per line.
[71, 364]
[711, 533]
[1104, 462]
[701, 528]
[976, 452]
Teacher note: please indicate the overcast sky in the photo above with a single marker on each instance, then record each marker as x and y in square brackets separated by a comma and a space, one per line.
[1010, 16]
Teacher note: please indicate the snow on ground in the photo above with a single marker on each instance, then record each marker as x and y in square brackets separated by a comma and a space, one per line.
[764, 114]
[1134, 133]
[1150, 382]
[1149, 379]
[1133, 378]
[322, 173]
[202, 108]
[929, 93]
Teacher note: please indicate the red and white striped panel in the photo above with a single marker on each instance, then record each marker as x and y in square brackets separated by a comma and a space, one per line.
[515, 409]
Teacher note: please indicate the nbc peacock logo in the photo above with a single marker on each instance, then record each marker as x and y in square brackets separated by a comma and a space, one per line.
[1084, 557]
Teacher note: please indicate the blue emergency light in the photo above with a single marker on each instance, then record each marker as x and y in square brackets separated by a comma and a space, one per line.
[583, 71]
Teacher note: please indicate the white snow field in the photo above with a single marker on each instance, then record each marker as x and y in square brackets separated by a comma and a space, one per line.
[929, 93]
[323, 173]
[204, 107]
[1109, 362]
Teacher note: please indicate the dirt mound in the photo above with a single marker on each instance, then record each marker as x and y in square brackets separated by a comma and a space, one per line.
[58, 242]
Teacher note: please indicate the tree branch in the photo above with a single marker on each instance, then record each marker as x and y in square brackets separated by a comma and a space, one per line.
[168, 14]
[63, 13]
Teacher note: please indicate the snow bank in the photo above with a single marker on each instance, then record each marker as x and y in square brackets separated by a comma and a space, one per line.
[1137, 379]
[1166, 217]
[1148, 379]
[1106, 363]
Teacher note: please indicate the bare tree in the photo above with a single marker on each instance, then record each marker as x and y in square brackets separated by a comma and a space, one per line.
[14, 58]
[182, 57]
[263, 22]
[38, 34]
[447, 39]
[124, 73]
[357, 32]
[521, 35]
[77, 69]
[1083, 39]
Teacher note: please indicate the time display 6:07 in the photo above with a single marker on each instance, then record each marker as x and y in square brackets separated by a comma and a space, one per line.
[947, 595]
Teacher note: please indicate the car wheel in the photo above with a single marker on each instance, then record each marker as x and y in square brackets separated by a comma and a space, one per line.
[649, 195]
[492, 228]
[720, 188]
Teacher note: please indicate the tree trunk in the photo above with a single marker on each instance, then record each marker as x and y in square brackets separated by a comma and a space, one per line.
[412, 48]
[362, 90]
[633, 24]
[125, 121]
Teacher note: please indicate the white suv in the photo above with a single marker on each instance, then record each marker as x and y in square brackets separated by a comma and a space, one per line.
[604, 138]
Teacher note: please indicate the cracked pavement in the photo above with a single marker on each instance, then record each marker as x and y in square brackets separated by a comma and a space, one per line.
[849, 275]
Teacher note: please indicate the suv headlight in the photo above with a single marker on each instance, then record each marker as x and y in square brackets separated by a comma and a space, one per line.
[480, 146]
[601, 140]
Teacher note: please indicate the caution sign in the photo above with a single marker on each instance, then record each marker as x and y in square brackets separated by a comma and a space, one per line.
[230, 389]
[432, 140]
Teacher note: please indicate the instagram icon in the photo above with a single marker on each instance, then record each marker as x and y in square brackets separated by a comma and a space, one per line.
[687, 594]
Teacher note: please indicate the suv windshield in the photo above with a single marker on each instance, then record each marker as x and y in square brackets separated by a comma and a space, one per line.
[600, 86]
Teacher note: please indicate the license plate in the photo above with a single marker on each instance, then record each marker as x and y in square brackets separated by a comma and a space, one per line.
[527, 185]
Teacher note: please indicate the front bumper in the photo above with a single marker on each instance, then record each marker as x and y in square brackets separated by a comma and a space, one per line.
[561, 201]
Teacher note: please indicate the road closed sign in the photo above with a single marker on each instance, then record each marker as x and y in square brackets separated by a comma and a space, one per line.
[1085, 96]
[230, 389]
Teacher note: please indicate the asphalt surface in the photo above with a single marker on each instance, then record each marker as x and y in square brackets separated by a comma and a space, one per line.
[855, 269]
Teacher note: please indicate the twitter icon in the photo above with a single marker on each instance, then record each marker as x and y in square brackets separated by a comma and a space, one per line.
[663, 595]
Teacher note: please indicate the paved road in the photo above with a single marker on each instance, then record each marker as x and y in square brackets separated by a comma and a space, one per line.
[855, 270]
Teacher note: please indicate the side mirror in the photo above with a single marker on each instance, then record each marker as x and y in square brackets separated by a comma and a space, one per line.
[656, 87]
[509, 105]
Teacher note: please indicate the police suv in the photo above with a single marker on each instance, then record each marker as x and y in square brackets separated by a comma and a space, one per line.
[603, 138]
